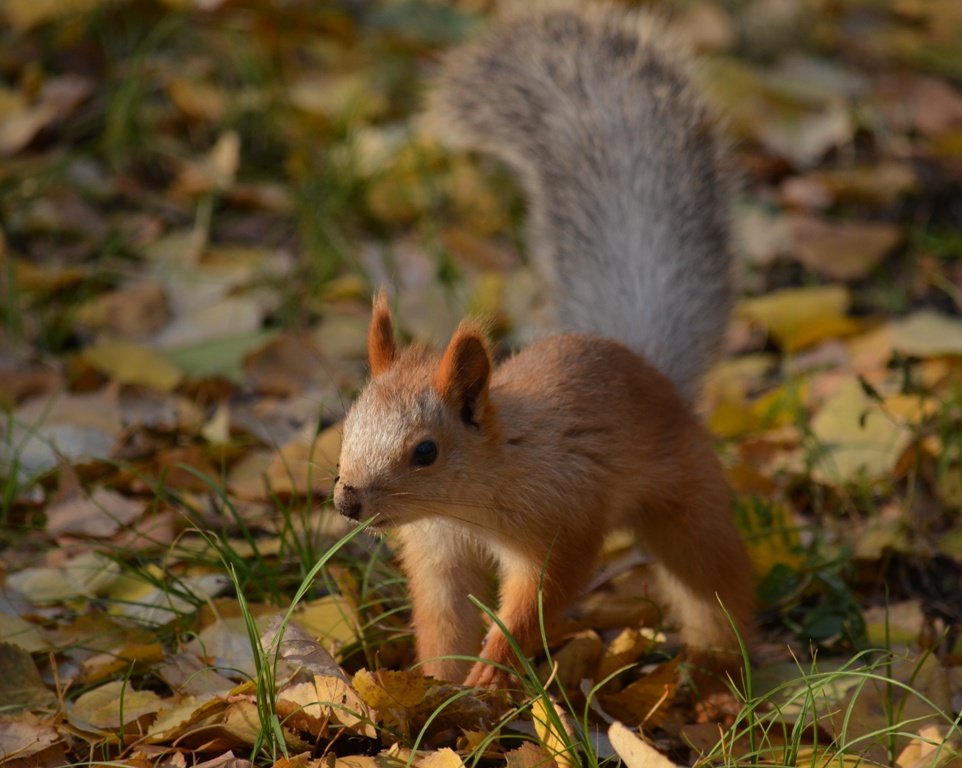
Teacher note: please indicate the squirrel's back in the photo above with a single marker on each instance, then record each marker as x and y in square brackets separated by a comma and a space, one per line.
[623, 169]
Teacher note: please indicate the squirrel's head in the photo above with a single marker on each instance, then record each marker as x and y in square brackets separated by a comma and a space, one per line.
[416, 427]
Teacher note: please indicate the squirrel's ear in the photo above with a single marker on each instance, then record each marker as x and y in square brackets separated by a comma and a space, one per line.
[462, 377]
[381, 349]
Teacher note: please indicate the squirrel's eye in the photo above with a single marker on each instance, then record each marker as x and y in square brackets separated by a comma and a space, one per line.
[425, 453]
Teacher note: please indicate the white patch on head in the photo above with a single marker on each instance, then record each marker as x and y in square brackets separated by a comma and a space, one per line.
[380, 432]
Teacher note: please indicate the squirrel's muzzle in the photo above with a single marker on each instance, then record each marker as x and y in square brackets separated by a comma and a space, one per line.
[347, 501]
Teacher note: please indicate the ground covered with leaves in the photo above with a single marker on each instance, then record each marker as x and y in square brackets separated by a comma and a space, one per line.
[196, 200]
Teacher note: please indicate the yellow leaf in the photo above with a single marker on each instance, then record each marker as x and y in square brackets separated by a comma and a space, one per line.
[635, 752]
[732, 419]
[800, 317]
[443, 758]
[332, 619]
[625, 649]
[24, 14]
[128, 363]
[774, 538]
[312, 706]
[555, 741]
[927, 334]
[387, 689]
[858, 438]
[113, 705]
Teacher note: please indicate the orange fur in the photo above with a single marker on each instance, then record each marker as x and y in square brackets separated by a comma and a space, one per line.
[577, 436]
[381, 350]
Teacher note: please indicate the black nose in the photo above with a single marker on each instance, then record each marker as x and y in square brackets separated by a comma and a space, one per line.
[347, 501]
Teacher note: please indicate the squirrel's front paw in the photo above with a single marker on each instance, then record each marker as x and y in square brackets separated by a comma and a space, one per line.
[484, 675]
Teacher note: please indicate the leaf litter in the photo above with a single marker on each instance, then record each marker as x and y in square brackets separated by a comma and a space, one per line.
[196, 200]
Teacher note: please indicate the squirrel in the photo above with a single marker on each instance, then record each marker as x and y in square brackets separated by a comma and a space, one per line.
[520, 470]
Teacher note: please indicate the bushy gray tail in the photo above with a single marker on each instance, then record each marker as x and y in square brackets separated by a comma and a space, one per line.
[622, 166]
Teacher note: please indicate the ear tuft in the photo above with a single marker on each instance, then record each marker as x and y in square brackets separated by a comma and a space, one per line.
[465, 369]
[381, 350]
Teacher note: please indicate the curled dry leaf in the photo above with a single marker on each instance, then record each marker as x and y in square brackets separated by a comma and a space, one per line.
[315, 707]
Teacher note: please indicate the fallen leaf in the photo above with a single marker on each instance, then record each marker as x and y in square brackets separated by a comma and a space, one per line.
[529, 755]
[332, 619]
[85, 575]
[99, 515]
[113, 706]
[229, 317]
[127, 363]
[132, 312]
[287, 364]
[857, 438]
[20, 684]
[578, 659]
[442, 758]
[927, 334]
[555, 732]
[842, 250]
[634, 751]
[386, 690]
[22, 633]
[936, 746]
[25, 736]
[312, 706]
[800, 317]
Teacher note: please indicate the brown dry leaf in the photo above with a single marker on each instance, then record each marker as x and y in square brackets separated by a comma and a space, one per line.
[925, 104]
[859, 439]
[634, 751]
[578, 659]
[24, 14]
[197, 99]
[529, 755]
[27, 740]
[300, 650]
[99, 515]
[21, 121]
[301, 468]
[332, 619]
[20, 684]
[285, 365]
[215, 172]
[935, 746]
[127, 363]
[800, 317]
[648, 699]
[313, 706]
[625, 649]
[842, 250]
[877, 185]
[133, 312]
